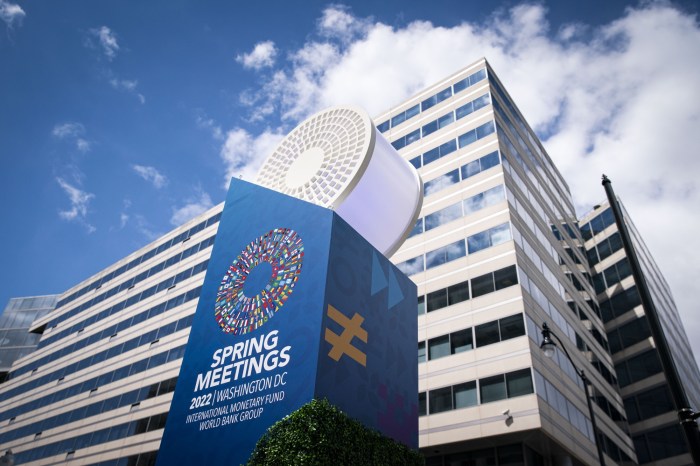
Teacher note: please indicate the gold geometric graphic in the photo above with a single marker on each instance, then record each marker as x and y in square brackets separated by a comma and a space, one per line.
[342, 344]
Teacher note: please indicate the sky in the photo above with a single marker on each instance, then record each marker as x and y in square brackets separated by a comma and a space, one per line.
[122, 120]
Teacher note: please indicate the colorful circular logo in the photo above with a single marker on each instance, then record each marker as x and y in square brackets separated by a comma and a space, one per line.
[259, 281]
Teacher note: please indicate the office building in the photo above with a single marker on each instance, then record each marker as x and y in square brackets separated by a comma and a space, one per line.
[653, 420]
[15, 339]
[491, 267]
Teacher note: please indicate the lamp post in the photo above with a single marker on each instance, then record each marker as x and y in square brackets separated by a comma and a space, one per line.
[548, 346]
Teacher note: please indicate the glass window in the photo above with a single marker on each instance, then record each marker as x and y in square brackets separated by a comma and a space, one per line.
[417, 228]
[500, 234]
[415, 161]
[411, 266]
[492, 388]
[464, 395]
[481, 102]
[421, 352]
[444, 94]
[478, 242]
[443, 216]
[512, 327]
[445, 120]
[654, 402]
[413, 111]
[485, 129]
[512, 455]
[482, 285]
[458, 293]
[490, 160]
[440, 400]
[398, 119]
[505, 277]
[487, 334]
[383, 127]
[439, 347]
[427, 103]
[470, 169]
[476, 77]
[461, 85]
[437, 300]
[441, 182]
[421, 305]
[519, 383]
[461, 341]
[422, 404]
[666, 442]
[467, 138]
[445, 254]
[448, 147]
[464, 110]
[431, 156]
[429, 128]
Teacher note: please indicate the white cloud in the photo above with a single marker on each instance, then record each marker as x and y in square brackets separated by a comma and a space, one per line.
[11, 13]
[209, 124]
[72, 132]
[194, 206]
[621, 99]
[338, 22]
[79, 203]
[151, 174]
[127, 85]
[108, 41]
[243, 153]
[262, 56]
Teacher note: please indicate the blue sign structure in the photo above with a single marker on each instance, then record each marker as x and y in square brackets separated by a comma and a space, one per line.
[295, 305]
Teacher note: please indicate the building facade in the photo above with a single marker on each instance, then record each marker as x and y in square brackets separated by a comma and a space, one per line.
[653, 420]
[491, 265]
[15, 339]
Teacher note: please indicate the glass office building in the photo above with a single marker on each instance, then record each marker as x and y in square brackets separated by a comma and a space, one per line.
[15, 339]
[653, 420]
[496, 252]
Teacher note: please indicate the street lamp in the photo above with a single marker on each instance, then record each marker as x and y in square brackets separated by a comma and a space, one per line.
[548, 347]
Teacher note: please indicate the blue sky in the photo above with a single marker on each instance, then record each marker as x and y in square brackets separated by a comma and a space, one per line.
[121, 120]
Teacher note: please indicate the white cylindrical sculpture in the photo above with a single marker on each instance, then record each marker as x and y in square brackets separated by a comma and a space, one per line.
[338, 159]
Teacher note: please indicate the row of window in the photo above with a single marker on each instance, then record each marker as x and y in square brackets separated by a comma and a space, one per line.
[475, 392]
[638, 367]
[166, 284]
[459, 209]
[506, 455]
[620, 303]
[481, 285]
[475, 243]
[467, 339]
[143, 258]
[112, 330]
[70, 445]
[629, 334]
[462, 173]
[597, 224]
[648, 404]
[142, 459]
[133, 281]
[131, 398]
[134, 368]
[432, 100]
[660, 444]
[604, 249]
[462, 140]
[139, 340]
[612, 275]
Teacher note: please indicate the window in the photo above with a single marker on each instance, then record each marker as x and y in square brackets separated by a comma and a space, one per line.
[464, 395]
[421, 305]
[519, 383]
[482, 285]
[443, 216]
[487, 334]
[439, 347]
[506, 277]
[458, 293]
[440, 400]
[445, 254]
[422, 404]
[441, 182]
[437, 300]
[492, 388]
[491, 237]
[421, 352]
[512, 327]
[461, 341]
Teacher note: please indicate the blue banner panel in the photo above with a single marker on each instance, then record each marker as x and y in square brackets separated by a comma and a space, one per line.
[367, 364]
[253, 347]
[295, 305]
